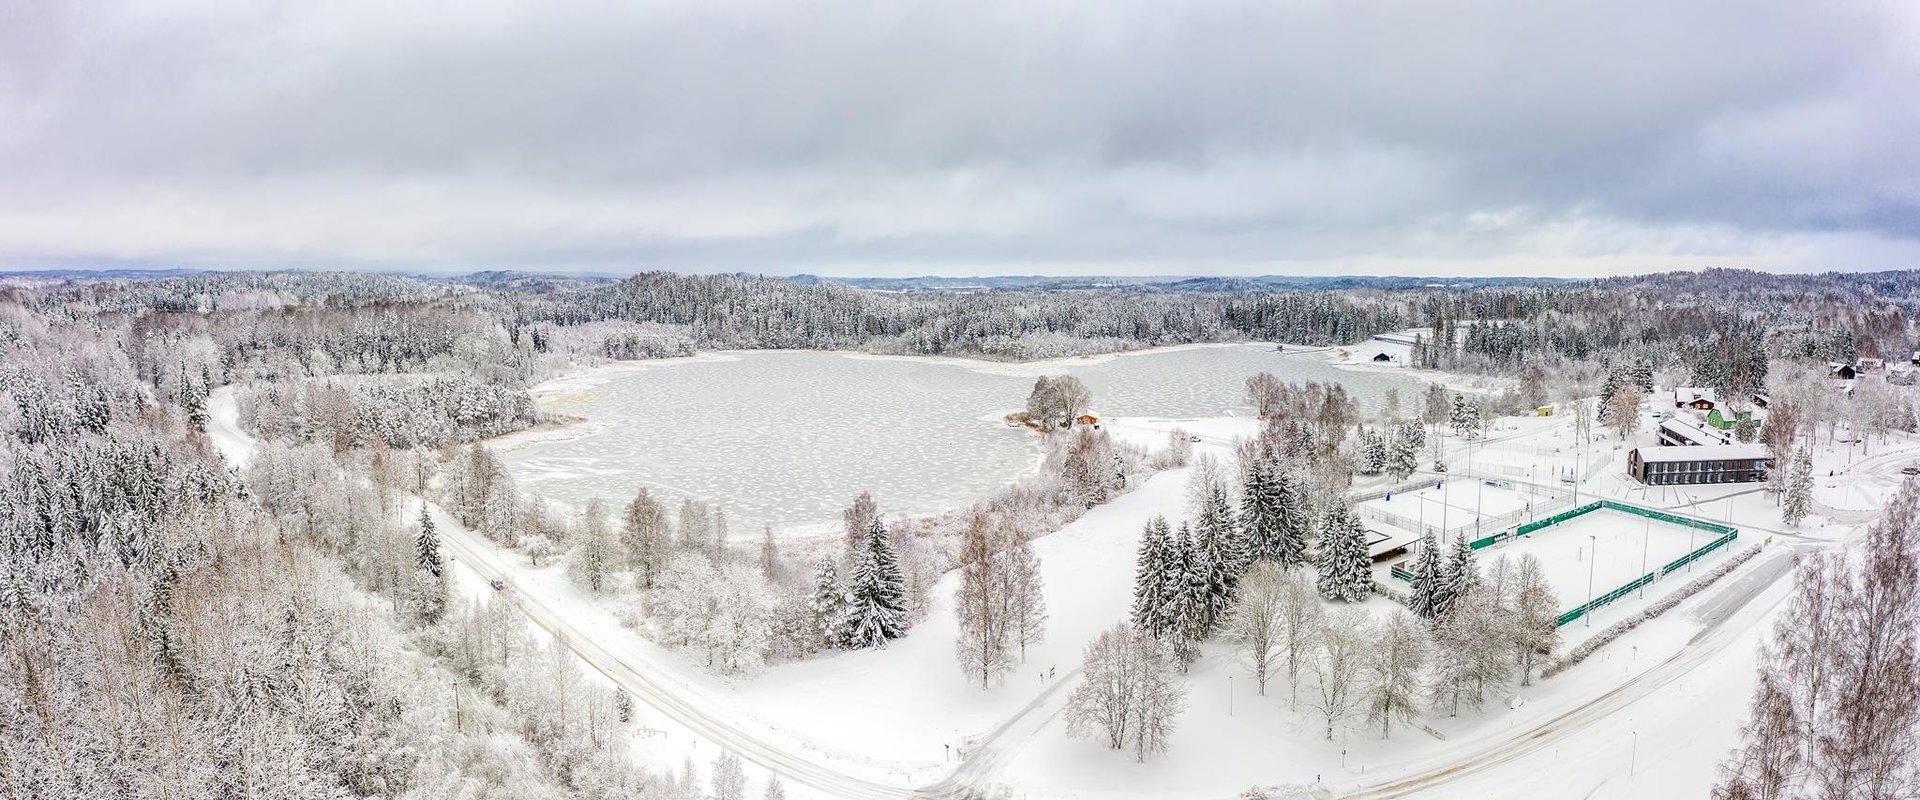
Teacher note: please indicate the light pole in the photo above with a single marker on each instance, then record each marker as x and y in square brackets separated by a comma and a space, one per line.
[1593, 555]
[1633, 756]
[1229, 695]
[1645, 534]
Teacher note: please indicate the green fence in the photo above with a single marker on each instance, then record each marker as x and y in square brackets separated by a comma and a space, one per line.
[1725, 536]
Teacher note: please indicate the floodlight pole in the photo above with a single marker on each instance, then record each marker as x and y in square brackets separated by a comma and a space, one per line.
[1593, 554]
[1645, 534]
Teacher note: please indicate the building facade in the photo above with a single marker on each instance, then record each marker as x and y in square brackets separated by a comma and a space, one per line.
[1685, 466]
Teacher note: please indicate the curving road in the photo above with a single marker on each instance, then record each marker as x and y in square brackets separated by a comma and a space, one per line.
[982, 760]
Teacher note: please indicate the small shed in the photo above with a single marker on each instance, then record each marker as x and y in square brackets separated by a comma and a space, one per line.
[1543, 411]
[1844, 372]
[1089, 420]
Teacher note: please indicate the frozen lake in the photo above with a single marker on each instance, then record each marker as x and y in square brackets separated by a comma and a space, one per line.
[787, 438]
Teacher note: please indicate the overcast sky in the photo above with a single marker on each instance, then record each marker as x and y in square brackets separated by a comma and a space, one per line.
[899, 138]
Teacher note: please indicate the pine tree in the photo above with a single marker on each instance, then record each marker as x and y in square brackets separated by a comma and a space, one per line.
[1343, 563]
[1799, 493]
[1424, 596]
[426, 546]
[875, 610]
[1150, 579]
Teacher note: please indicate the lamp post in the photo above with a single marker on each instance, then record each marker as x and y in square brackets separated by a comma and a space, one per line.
[1645, 534]
[1593, 555]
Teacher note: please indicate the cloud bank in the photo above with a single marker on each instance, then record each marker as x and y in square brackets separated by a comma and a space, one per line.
[913, 138]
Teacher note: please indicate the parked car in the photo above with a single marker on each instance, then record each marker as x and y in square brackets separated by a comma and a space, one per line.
[1910, 469]
[497, 584]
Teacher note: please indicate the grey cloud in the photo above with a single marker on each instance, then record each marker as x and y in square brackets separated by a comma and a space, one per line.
[904, 136]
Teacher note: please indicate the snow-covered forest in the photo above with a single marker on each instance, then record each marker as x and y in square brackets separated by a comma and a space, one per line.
[187, 616]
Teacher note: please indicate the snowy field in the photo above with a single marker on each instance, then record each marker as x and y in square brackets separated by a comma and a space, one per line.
[787, 438]
[1458, 505]
[1614, 547]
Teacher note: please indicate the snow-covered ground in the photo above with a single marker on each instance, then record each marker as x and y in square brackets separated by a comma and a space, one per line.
[1650, 715]
[1602, 550]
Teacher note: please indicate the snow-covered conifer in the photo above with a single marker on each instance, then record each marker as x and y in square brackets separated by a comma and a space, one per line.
[824, 603]
[1429, 571]
[875, 608]
[1150, 578]
[1342, 560]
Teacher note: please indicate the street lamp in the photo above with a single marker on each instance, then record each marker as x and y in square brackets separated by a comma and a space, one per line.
[1645, 534]
[1593, 555]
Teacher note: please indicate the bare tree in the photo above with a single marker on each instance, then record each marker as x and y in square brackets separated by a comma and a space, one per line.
[1298, 619]
[859, 517]
[1536, 629]
[1837, 712]
[1025, 591]
[1336, 663]
[1770, 752]
[1254, 621]
[981, 604]
[643, 533]
[1626, 415]
[1130, 692]
[1056, 400]
[1393, 670]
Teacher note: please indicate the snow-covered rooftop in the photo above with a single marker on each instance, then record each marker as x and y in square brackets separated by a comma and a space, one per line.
[1688, 394]
[1693, 433]
[1706, 452]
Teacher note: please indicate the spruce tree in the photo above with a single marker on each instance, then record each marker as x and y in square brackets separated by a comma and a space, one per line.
[1149, 578]
[1295, 518]
[1229, 551]
[1457, 575]
[1343, 562]
[1260, 509]
[426, 546]
[875, 610]
[1428, 571]
[1403, 455]
[1373, 452]
[1189, 593]
[826, 600]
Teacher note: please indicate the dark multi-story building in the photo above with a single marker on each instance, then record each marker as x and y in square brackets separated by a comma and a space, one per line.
[1714, 463]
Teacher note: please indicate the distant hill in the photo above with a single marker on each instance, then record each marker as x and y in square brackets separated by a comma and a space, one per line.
[1168, 283]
